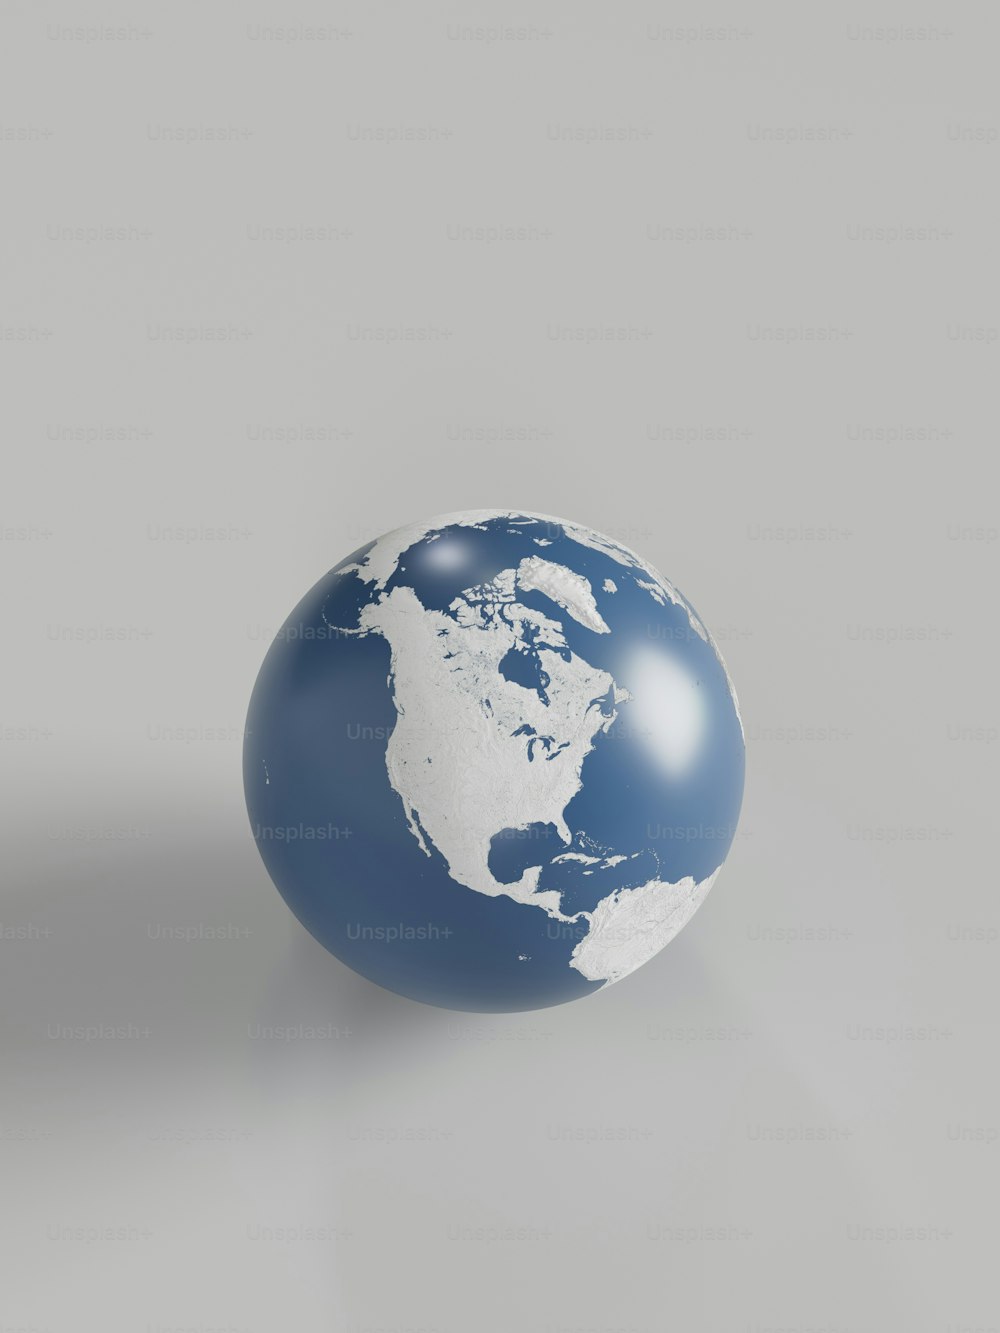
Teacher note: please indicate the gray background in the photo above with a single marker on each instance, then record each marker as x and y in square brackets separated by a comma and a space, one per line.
[789, 1119]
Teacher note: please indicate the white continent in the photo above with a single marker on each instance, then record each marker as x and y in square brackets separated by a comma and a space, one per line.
[628, 927]
[473, 753]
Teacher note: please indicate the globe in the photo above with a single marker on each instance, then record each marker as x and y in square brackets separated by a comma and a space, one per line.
[493, 761]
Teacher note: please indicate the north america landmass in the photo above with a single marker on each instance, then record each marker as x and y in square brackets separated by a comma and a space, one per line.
[496, 715]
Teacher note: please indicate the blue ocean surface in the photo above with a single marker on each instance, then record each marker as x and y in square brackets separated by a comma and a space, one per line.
[333, 832]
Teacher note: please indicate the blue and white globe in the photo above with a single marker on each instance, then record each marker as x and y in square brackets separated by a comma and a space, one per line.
[493, 761]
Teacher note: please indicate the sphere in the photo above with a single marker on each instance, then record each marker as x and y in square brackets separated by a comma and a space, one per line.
[493, 761]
